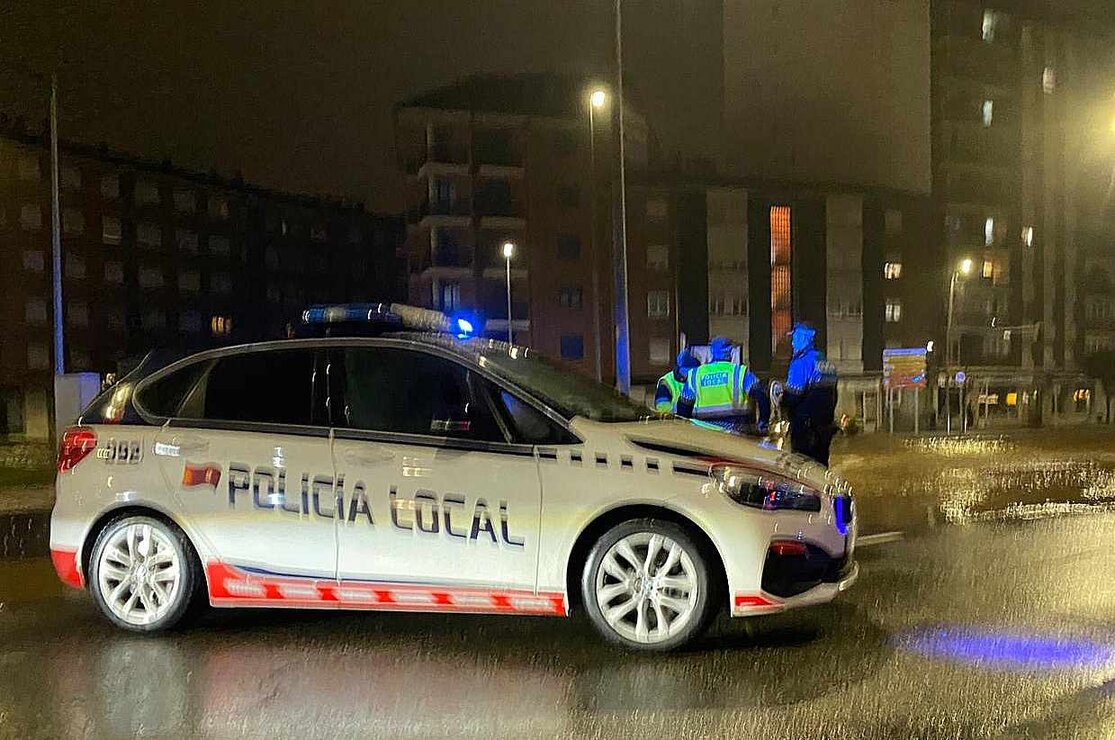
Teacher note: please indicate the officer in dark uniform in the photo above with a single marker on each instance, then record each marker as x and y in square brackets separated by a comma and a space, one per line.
[720, 391]
[809, 396]
[669, 385]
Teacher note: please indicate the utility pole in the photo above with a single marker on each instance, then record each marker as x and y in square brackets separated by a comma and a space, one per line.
[623, 340]
[56, 231]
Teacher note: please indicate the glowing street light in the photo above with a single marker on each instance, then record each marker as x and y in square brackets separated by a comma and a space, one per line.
[598, 98]
[963, 268]
[508, 253]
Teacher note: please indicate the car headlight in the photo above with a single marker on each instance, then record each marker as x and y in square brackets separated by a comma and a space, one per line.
[764, 490]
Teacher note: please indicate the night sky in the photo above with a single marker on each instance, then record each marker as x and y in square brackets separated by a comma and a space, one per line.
[298, 95]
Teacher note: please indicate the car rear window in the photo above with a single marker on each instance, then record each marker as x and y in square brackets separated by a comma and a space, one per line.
[164, 396]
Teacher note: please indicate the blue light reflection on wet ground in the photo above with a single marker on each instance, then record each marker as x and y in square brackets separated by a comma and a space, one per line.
[1006, 650]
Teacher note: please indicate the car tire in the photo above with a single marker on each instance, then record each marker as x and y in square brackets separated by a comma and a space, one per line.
[144, 574]
[658, 606]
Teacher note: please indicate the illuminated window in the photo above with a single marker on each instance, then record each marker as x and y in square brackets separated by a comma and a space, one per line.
[988, 269]
[892, 270]
[780, 252]
[220, 326]
[1048, 80]
[990, 21]
[658, 304]
[1028, 236]
[893, 310]
[988, 110]
[989, 231]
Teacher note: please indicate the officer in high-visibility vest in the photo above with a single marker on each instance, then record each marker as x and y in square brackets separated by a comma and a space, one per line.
[718, 392]
[809, 396]
[669, 385]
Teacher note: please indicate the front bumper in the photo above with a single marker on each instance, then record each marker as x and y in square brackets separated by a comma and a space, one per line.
[746, 605]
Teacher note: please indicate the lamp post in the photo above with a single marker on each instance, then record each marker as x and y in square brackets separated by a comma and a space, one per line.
[964, 268]
[598, 98]
[508, 251]
[623, 339]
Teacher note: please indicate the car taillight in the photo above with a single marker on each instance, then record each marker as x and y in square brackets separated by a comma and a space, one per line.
[77, 443]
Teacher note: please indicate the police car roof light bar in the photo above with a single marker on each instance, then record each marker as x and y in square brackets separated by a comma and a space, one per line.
[394, 315]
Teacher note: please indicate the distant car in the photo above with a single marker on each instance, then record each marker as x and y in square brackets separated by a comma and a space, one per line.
[419, 471]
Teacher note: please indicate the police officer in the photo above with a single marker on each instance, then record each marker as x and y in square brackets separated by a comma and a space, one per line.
[669, 385]
[809, 396]
[718, 392]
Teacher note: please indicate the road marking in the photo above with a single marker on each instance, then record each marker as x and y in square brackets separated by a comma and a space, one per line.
[878, 539]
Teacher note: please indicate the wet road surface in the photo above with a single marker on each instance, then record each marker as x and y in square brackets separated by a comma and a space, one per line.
[986, 623]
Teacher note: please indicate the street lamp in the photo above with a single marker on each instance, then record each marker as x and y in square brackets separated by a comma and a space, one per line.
[508, 252]
[597, 99]
[963, 268]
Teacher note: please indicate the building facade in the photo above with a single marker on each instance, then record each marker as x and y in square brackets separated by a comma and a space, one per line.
[154, 256]
[496, 160]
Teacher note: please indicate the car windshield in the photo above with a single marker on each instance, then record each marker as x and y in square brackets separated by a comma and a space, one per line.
[565, 391]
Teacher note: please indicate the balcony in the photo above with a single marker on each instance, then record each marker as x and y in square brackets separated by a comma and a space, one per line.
[442, 213]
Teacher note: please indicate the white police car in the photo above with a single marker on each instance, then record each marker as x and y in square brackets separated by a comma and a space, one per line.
[430, 472]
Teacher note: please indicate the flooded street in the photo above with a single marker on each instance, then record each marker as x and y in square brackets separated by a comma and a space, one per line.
[993, 616]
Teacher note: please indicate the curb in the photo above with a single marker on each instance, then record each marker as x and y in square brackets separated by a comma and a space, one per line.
[24, 534]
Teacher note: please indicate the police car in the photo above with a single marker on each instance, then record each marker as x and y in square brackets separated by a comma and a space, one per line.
[417, 469]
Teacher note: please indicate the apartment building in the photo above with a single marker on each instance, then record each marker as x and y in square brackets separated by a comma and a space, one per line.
[156, 256]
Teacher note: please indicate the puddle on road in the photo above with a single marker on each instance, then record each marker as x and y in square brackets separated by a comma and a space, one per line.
[957, 481]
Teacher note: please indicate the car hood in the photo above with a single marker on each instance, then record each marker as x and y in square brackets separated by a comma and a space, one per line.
[686, 443]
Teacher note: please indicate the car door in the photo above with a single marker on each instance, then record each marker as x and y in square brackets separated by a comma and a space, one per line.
[447, 499]
[245, 454]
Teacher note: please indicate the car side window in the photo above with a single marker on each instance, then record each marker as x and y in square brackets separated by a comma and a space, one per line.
[397, 390]
[269, 387]
[531, 426]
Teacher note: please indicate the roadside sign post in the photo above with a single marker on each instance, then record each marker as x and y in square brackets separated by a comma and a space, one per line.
[903, 369]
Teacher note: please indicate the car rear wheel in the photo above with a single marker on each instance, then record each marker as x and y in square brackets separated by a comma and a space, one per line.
[143, 574]
[646, 586]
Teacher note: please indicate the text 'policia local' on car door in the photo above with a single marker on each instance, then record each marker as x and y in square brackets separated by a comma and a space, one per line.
[452, 498]
[247, 454]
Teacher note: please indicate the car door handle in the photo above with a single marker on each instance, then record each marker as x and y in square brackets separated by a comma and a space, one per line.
[189, 444]
[372, 455]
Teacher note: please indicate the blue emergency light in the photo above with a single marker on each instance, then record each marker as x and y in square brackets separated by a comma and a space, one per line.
[389, 316]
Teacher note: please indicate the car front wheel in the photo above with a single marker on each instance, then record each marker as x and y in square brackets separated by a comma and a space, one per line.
[646, 586]
[143, 574]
